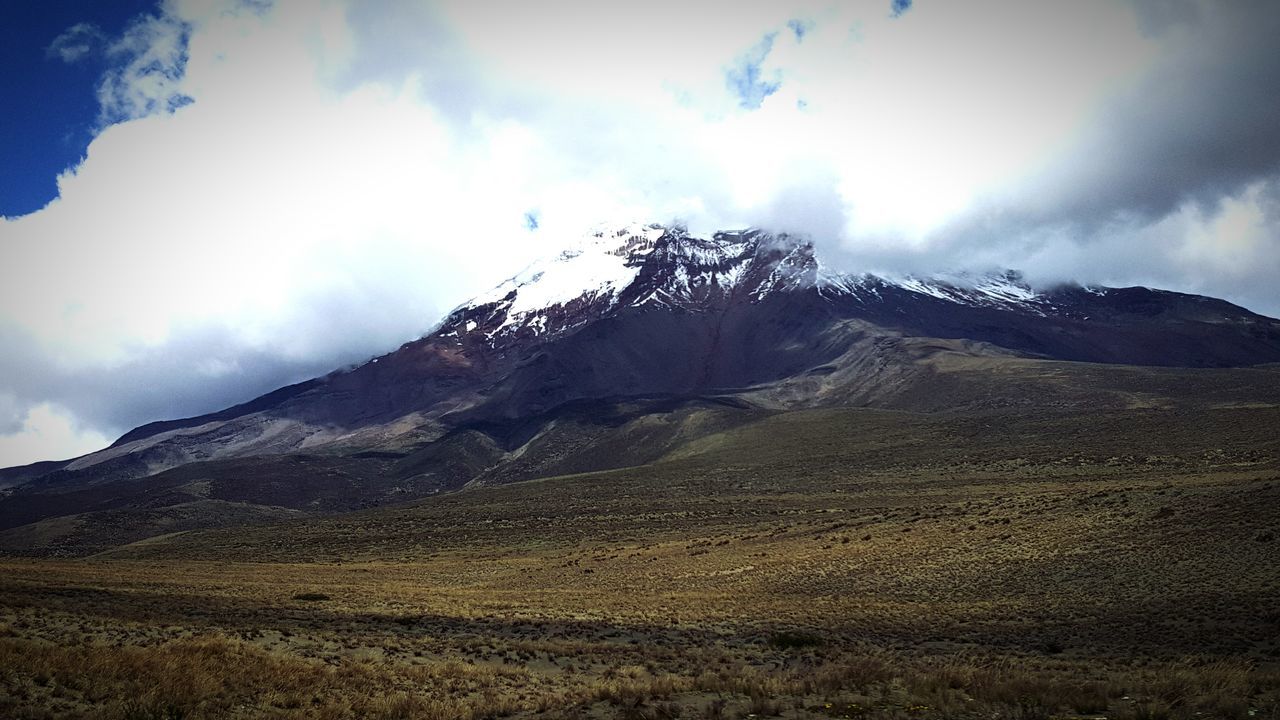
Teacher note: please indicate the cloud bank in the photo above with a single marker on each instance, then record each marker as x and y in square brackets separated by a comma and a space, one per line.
[281, 188]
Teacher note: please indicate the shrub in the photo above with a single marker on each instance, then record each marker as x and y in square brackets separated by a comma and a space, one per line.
[792, 639]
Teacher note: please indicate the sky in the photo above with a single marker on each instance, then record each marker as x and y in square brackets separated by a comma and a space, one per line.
[204, 200]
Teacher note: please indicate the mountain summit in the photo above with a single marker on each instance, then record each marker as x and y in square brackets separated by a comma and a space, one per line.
[638, 266]
[604, 354]
[653, 266]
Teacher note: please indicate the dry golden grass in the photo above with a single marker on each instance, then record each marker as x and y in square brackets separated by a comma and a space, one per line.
[1124, 573]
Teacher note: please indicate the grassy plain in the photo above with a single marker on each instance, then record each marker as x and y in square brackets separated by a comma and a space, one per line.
[1118, 563]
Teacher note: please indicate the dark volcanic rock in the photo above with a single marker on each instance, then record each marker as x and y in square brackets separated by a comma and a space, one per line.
[642, 322]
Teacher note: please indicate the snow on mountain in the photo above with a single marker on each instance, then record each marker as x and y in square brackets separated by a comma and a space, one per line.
[635, 265]
[599, 266]
[593, 269]
[1001, 288]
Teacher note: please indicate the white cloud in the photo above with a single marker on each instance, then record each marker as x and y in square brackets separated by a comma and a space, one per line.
[12, 414]
[147, 67]
[1230, 250]
[76, 43]
[346, 172]
[47, 433]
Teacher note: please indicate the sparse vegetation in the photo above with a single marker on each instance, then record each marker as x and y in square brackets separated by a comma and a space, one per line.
[760, 571]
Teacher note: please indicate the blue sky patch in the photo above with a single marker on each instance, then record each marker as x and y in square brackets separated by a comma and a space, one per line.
[746, 79]
[53, 56]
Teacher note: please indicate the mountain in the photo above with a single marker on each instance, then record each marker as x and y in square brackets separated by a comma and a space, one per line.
[619, 350]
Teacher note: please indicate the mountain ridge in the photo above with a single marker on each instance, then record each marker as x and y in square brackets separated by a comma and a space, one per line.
[650, 267]
[637, 338]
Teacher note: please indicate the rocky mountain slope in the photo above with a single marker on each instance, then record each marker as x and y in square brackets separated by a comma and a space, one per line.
[627, 345]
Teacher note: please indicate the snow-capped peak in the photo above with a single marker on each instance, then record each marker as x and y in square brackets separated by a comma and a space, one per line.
[994, 288]
[637, 265]
[593, 267]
